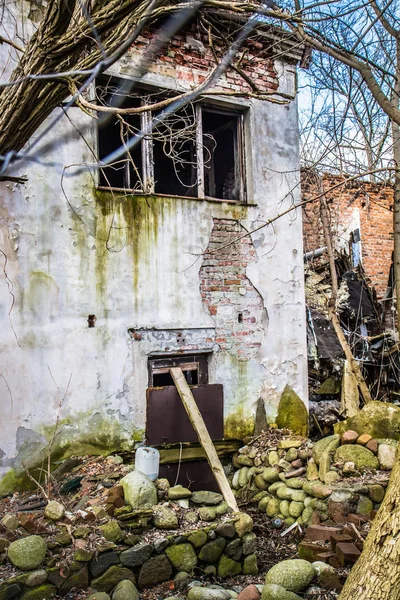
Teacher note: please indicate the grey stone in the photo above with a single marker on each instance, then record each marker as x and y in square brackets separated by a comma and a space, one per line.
[249, 543]
[125, 590]
[136, 556]
[293, 575]
[54, 511]
[10, 591]
[27, 553]
[234, 549]
[160, 545]
[329, 443]
[206, 498]
[80, 579]
[227, 530]
[386, 456]
[139, 490]
[108, 580]
[154, 571]
[178, 492]
[101, 563]
[36, 578]
[206, 593]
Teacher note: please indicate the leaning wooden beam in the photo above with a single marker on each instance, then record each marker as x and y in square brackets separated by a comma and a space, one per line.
[200, 428]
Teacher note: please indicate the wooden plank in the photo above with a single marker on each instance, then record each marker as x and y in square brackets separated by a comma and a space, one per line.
[204, 438]
[189, 451]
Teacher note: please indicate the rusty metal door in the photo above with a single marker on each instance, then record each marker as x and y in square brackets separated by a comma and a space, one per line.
[167, 421]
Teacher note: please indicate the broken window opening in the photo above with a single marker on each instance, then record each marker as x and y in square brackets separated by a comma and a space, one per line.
[223, 161]
[194, 367]
[127, 171]
[197, 151]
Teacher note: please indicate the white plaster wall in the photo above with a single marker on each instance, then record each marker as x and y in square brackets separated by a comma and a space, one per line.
[134, 269]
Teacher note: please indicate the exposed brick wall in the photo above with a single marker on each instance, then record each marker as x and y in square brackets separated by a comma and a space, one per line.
[374, 203]
[228, 295]
[189, 58]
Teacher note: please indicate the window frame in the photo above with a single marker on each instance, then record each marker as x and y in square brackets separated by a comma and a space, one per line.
[239, 111]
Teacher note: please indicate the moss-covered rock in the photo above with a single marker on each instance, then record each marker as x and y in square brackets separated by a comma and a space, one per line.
[227, 567]
[292, 412]
[43, 592]
[139, 490]
[250, 565]
[243, 524]
[154, 571]
[125, 590]
[326, 444]
[359, 455]
[197, 538]
[211, 551]
[108, 580]
[379, 419]
[272, 591]
[111, 531]
[293, 575]
[27, 553]
[164, 517]
[182, 557]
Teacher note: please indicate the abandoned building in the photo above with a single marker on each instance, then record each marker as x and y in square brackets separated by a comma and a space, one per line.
[112, 276]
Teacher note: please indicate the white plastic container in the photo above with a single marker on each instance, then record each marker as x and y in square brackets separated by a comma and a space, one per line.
[147, 461]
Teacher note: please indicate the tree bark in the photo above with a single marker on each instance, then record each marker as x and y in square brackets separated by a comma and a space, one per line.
[375, 576]
[396, 207]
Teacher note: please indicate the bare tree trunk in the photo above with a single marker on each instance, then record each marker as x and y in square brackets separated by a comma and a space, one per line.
[375, 576]
[396, 208]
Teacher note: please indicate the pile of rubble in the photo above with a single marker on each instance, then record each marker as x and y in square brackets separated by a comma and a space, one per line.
[297, 481]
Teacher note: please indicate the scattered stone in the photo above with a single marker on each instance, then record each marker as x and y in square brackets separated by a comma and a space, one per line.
[164, 517]
[207, 513]
[191, 518]
[115, 460]
[81, 531]
[312, 470]
[139, 490]
[363, 439]
[99, 512]
[211, 551]
[373, 446]
[285, 444]
[386, 456]
[273, 458]
[154, 571]
[10, 522]
[272, 591]
[244, 461]
[206, 593]
[349, 437]
[294, 575]
[364, 506]
[181, 579]
[291, 455]
[27, 553]
[349, 467]
[318, 490]
[54, 511]
[376, 492]
[125, 590]
[250, 592]
[111, 531]
[360, 456]
[36, 578]
[178, 492]
[331, 477]
[136, 556]
[206, 498]
[108, 580]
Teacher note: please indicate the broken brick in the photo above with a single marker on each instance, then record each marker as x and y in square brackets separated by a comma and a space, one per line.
[347, 553]
[309, 551]
[340, 538]
[321, 532]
